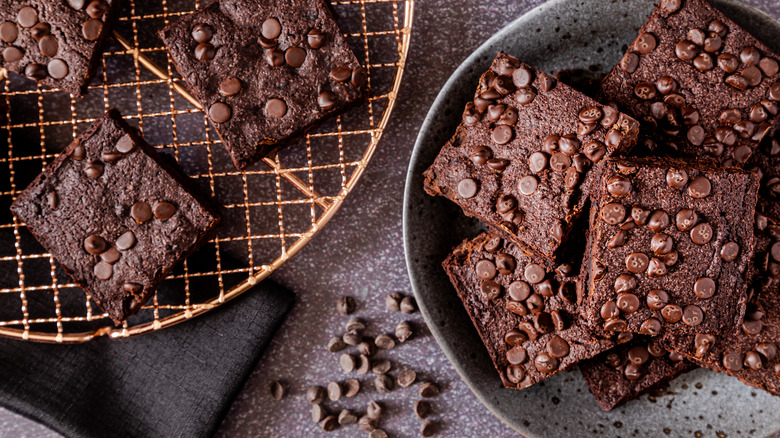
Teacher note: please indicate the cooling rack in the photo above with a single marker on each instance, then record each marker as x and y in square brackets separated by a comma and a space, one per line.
[269, 211]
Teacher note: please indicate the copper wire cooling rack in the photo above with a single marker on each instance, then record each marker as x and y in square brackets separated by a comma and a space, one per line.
[270, 211]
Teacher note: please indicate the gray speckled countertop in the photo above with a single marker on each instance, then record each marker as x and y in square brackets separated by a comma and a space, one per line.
[360, 253]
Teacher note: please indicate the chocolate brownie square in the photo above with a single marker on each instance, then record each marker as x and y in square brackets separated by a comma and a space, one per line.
[264, 72]
[631, 369]
[670, 246]
[520, 159]
[115, 216]
[55, 42]
[750, 352]
[703, 86]
[526, 315]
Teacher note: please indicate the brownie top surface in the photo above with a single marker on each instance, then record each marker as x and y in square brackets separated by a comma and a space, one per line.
[519, 160]
[750, 352]
[703, 86]
[55, 42]
[264, 72]
[628, 370]
[670, 246]
[526, 315]
[112, 215]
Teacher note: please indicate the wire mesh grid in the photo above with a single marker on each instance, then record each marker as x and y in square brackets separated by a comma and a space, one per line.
[269, 211]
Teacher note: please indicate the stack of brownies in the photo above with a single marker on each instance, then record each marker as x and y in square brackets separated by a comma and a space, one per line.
[634, 235]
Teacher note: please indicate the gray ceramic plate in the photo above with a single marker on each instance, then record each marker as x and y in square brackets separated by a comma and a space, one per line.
[559, 34]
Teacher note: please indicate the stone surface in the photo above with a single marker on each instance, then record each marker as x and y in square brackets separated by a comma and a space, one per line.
[372, 265]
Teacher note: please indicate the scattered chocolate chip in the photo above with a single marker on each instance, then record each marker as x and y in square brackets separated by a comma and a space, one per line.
[407, 378]
[403, 331]
[702, 234]
[428, 390]
[164, 210]
[336, 344]
[334, 391]
[316, 395]
[384, 383]
[468, 188]
[277, 389]
[318, 413]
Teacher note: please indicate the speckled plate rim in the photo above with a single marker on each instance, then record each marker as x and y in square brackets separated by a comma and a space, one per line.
[413, 184]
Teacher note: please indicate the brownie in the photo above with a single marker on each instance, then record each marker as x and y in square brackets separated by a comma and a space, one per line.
[749, 353]
[55, 42]
[631, 369]
[704, 87]
[115, 216]
[670, 246]
[520, 158]
[526, 315]
[264, 72]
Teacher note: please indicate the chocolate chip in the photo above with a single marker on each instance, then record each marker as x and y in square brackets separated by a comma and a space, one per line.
[407, 378]
[545, 288]
[613, 213]
[703, 62]
[164, 210]
[498, 164]
[686, 50]
[336, 344]
[202, 33]
[750, 56]
[103, 271]
[276, 108]
[560, 162]
[141, 212]
[95, 244]
[672, 313]
[545, 363]
[8, 32]
[422, 409]
[704, 288]
[535, 303]
[347, 417]
[230, 87]
[111, 256]
[403, 331]
[468, 188]
[48, 46]
[480, 155]
[732, 361]
[330, 423]
[52, 200]
[58, 69]
[125, 144]
[528, 185]
[428, 390]
[543, 322]
[91, 29]
[33, 71]
[774, 92]
[692, 316]
[408, 305]
[696, 135]
[94, 169]
[629, 63]
[768, 350]
[618, 240]
[429, 428]
[645, 43]
[658, 221]
[591, 115]
[501, 134]
[205, 52]
[522, 77]
[571, 178]
[352, 338]
[768, 66]
[713, 44]
[524, 96]
[628, 302]
[615, 325]
[618, 186]
[516, 355]
[752, 75]
[277, 390]
[534, 273]
[557, 347]
[737, 81]
[625, 283]
[661, 244]
[315, 38]
[505, 204]
[316, 394]
[27, 17]
[537, 162]
[271, 28]
[728, 63]
[220, 112]
[645, 91]
[657, 299]
[702, 234]
[295, 56]
[363, 364]
[670, 6]
[97, 8]
[318, 413]
[345, 305]
[650, 327]
[335, 391]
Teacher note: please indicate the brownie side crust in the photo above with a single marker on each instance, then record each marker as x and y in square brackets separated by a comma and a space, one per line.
[630, 370]
[264, 72]
[55, 42]
[520, 159]
[670, 246]
[526, 315]
[115, 216]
